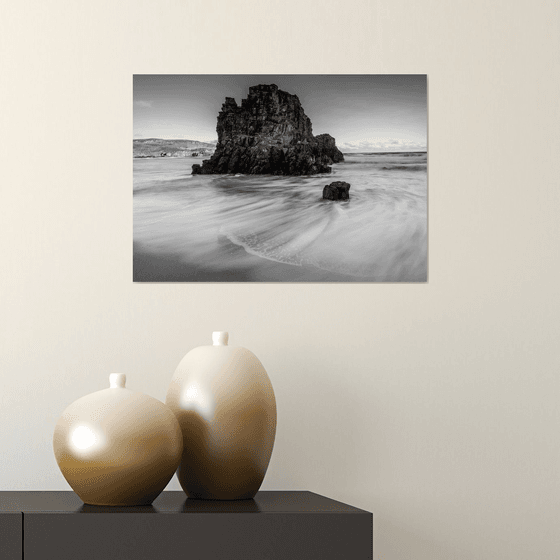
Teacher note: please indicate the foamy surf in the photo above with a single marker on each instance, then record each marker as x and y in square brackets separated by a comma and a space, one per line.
[252, 247]
[284, 247]
[380, 234]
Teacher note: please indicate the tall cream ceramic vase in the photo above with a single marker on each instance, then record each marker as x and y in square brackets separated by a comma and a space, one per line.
[225, 405]
[117, 447]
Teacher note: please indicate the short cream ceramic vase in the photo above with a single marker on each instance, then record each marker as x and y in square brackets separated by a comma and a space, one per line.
[225, 405]
[117, 447]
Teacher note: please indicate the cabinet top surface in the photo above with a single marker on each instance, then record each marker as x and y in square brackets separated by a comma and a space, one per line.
[175, 502]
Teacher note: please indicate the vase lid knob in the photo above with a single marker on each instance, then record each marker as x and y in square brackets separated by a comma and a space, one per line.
[220, 338]
[117, 380]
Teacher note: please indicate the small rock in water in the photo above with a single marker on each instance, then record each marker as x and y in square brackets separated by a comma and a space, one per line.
[339, 190]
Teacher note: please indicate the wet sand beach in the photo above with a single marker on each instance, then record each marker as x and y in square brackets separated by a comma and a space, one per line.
[151, 267]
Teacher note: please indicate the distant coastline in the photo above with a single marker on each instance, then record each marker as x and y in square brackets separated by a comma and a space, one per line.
[178, 148]
[162, 147]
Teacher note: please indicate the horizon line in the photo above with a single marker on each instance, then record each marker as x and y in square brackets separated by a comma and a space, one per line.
[216, 141]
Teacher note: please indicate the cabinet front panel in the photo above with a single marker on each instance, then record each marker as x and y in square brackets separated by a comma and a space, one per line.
[10, 536]
[206, 536]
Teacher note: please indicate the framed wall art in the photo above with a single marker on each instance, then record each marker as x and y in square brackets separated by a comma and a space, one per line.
[280, 178]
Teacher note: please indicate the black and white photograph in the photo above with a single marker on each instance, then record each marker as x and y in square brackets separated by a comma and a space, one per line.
[280, 178]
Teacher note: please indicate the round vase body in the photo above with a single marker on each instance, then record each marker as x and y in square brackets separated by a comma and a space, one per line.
[117, 447]
[225, 405]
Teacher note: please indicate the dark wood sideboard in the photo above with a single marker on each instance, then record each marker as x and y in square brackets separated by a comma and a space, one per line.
[279, 525]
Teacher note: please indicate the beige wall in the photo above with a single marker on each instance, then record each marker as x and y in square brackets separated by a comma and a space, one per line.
[435, 406]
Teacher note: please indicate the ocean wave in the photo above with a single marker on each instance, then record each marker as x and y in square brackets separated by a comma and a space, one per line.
[394, 154]
[252, 246]
[328, 245]
[360, 270]
[404, 167]
[283, 246]
[223, 222]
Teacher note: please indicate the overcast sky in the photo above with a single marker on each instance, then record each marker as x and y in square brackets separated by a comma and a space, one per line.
[362, 112]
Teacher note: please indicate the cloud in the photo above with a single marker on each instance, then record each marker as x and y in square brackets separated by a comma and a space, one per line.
[141, 103]
[382, 144]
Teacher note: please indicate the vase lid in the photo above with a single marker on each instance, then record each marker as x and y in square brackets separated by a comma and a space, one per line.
[220, 338]
[117, 380]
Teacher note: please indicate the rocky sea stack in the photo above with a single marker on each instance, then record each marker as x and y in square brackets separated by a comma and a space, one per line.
[268, 134]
